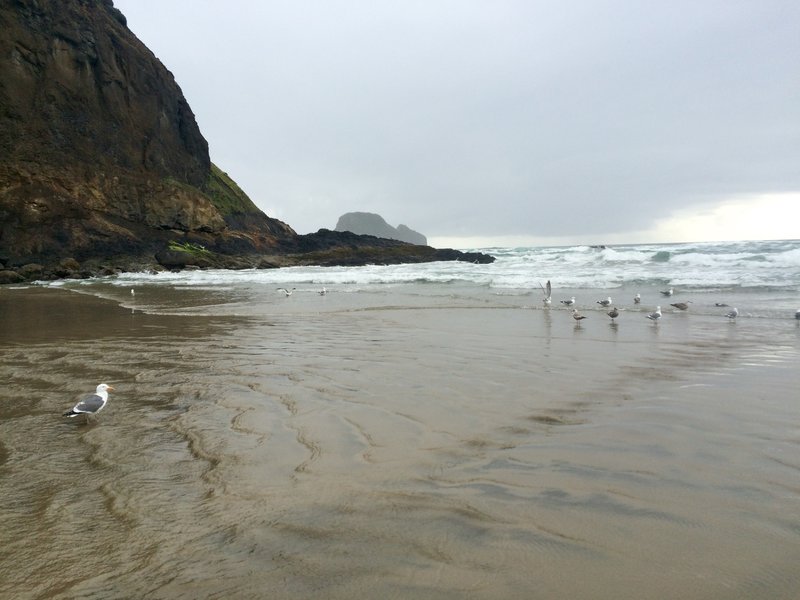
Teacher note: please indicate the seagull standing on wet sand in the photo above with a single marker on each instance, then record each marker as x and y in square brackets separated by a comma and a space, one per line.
[577, 316]
[91, 404]
[668, 292]
[655, 316]
[797, 314]
[733, 313]
[547, 294]
[323, 291]
[637, 299]
[613, 313]
[605, 303]
[569, 302]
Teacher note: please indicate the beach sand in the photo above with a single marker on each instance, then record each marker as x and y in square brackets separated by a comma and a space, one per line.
[433, 447]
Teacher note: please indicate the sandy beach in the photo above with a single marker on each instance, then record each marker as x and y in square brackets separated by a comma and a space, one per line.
[427, 445]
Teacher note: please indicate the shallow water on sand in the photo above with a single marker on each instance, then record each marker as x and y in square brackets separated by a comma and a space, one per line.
[423, 445]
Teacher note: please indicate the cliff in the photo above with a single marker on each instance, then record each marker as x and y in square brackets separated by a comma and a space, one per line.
[99, 151]
[101, 158]
[371, 224]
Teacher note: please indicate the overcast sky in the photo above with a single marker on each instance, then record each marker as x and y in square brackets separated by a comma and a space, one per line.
[494, 121]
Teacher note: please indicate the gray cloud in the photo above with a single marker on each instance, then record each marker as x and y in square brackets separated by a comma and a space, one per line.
[489, 118]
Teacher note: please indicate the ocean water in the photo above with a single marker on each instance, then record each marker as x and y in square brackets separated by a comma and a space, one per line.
[420, 431]
[760, 278]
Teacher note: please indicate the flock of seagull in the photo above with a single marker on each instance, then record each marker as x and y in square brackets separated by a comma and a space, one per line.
[91, 404]
[613, 312]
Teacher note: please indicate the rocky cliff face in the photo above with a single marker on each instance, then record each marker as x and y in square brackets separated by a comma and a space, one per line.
[99, 150]
[365, 223]
[103, 167]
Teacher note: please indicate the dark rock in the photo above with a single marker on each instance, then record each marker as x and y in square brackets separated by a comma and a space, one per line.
[10, 277]
[100, 153]
[69, 264]
[172, 260]
[335, 248]
[31, 271]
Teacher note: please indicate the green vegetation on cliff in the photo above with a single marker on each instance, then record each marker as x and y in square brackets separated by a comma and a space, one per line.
[226, 196]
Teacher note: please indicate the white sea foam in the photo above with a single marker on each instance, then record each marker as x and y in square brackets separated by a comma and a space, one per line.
[713, 268]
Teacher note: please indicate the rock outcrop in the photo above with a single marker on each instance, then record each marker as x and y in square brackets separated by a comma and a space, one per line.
[102, 164]
[365, 223]
[100, 153]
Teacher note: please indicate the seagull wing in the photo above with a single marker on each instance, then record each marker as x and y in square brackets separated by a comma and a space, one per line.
[89, 404]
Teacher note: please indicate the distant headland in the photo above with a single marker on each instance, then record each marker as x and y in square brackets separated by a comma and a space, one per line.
[103, 167]
[371, 224]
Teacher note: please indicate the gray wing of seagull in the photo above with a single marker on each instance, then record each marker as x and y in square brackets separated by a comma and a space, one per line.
[89, 404]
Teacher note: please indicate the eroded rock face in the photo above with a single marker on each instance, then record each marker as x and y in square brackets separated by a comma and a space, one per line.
[78, 88]
[104, 169]
[99, 150]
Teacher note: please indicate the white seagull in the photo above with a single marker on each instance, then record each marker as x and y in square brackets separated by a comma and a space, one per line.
[287, 292]
[605, 303]
[637, 298]
[323, 291]
[569, 302]
[91, 404]
[668, 292]
[547, 293]
[655, 316]
[732, 314]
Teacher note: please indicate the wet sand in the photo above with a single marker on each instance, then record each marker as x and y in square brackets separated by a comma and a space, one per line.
[445, 448]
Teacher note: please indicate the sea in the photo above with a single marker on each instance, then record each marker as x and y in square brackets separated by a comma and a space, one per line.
[426, 431]
[760, 278]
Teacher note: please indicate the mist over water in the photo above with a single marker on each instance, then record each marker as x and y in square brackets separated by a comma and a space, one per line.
[419, 431]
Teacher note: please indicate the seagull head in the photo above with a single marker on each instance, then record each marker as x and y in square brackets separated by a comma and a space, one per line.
[104, 387]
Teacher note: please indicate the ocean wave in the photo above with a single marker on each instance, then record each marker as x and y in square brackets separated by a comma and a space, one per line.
[709, 265]
[661, 256]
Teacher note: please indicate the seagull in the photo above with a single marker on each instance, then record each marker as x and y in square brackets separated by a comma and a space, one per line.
[637, 298]
[577, 316]
[569, 302]
[655, 316]
[667, 292]
[605, 303]
[613, 313]
[547, 293]
[287, 292]
[91, 404]
[133, 292]
[720, 304]
[323, 291]
[682, 305]
[797, 314]
[732, 314]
